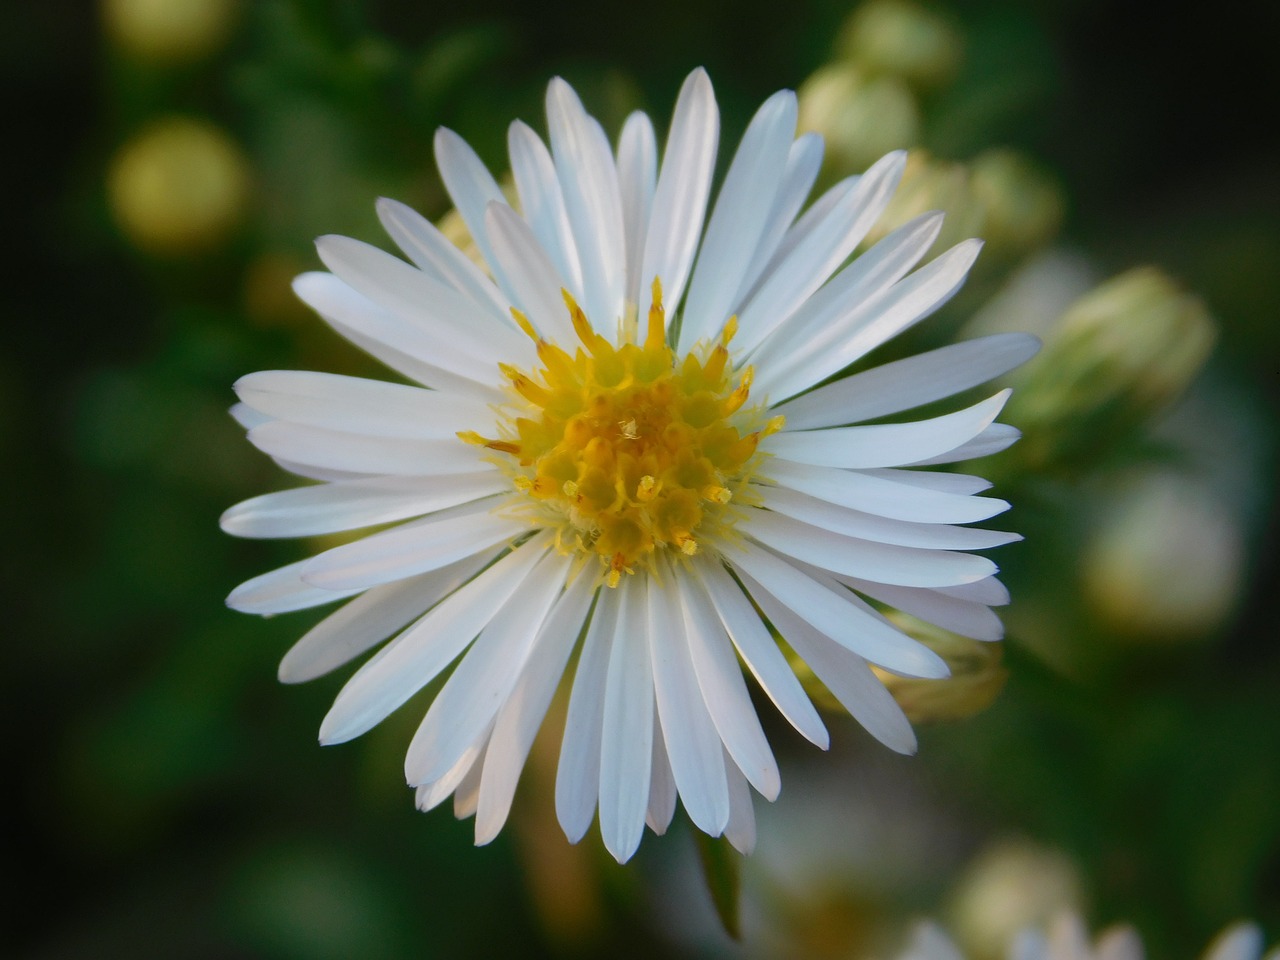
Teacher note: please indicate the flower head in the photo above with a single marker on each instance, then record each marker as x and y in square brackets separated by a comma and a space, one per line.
[625, 447]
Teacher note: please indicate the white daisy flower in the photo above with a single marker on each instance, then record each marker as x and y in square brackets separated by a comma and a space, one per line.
[1067, 939]
[622, 451]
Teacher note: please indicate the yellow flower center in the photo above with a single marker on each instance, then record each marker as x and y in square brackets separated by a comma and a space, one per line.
[626, 450]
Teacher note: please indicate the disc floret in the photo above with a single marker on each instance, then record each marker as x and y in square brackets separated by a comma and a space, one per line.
[628, 450]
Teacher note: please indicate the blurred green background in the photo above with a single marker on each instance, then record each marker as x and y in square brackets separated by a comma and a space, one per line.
[170, 163]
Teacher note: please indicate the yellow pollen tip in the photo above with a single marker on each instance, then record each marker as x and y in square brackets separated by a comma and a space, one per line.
[730, 330]
[523, 323]
[646, 489]
[612, 579]
[718, 494]
[774, 425]
[688, 545]
[657, 332]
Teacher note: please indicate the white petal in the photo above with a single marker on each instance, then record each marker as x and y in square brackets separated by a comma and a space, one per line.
[693, 745]
[431, 795]
[433, 252]
[725, 692]
[359, 453]
[739, 218]
[542, 202]
[868, 526]
[532, 278]
[518, 720]
[662, 786]
[372, 617]
[589, 181]
[626, 747]
[680, 199]
[470, 184]
[637, 178]
[835, 614]
[741, 831]
[807, 266]
[881, 562]
[467, 794]
[957, 483]
[1123, 943]
[357, 405]
[910, 382]
[282, 591]
[989, 592]
[930, 943]
[870, 323]
[351, 504]
[969, 619]
[386, 337]
[1241, 941]
[413, 659]
[844, 673]
[413, 548]
[804, 160]
[478, 686]
[996, 437]
[578, 775]
[807, 331]
[759, 651]
[886, 444]
[246, 416]
[861, 490]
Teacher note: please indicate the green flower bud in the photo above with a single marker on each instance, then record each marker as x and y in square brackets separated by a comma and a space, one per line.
[170, 31]
[1021, 205]
[977, 675]
[860, 117]
[903, 39]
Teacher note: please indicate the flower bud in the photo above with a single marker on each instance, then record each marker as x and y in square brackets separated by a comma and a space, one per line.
[1021, 205]
[861, 118]
[903, 39]
[181, 186]
[931, 184]
[170, 31]
[1118, 356]
[977, 675]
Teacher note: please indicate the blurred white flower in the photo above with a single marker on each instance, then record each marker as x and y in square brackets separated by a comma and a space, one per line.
[627, 440]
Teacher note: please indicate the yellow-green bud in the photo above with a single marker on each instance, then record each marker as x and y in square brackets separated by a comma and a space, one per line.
[170, 31]
[861, 118]
[903, 39]
[931, 184]
[977, 675]
[178, 187]
[1020, 204]
[1118, 356]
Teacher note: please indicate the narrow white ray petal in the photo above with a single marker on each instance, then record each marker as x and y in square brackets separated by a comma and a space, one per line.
[1068, 937]
[1029, 945]
[518, 720]
[1123, 943]
[246, 416]
[804, 160]
[867, 277]
[626, 746]
[680, 199]
[693, 745]
[351, 504]
[930, 943]
[1241, 941]
[969, 619]
[759, 651]
[739, 217]
[312, 472]
[886, 444]
[431, 795]
[449, 323]
[372, 617]
[846, 674]
[812, 260]
[989, 592]
[478, 686]
[359, 453]
[832, 613]
[467, 793]
[358, 405]
[637, 178]
[388, 338]
[725, 692]
[818, 213]
[962, 484]
[578, 775]
[870, 323]
[662, 787]
[741, 829]
[993, 439]
[470, 184]
[542, 202]
[282, 591]
[532, 278]
[881, 562]
[589, 180]
[433, 252]
[868, 526]
[412, 548]
[860, 490]
[910, 382]
[413, 659]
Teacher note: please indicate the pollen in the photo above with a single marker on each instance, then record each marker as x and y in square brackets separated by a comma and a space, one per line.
[629, 450]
